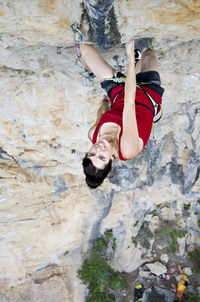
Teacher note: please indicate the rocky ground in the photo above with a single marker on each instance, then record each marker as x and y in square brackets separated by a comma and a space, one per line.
[164, 287]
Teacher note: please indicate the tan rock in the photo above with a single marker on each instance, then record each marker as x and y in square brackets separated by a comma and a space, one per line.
[154, 224]
[168, 214]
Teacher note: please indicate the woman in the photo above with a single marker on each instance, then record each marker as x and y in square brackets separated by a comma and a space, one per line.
[124, 119]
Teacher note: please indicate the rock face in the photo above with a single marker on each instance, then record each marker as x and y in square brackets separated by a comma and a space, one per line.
[48, 216]
[156, 294]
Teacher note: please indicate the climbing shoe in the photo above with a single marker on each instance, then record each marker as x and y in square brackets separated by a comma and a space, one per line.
[137, 55]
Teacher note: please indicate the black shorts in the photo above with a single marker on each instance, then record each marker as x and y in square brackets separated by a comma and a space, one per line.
[150, 79]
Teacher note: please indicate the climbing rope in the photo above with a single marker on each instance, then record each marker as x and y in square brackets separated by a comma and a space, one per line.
[78, 39]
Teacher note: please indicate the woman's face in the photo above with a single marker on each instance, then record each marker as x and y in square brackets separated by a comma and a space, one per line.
[100, 153]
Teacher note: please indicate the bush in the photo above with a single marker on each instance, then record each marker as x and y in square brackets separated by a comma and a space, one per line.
[193, 298]
[101, 245]
[187, 206]
[174, 233]
[102, 281]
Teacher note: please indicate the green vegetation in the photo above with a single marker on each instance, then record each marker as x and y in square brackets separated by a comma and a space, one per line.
[159, 205]
[102, 281]
[195, 257]
[144, 256]
[193, 298]
[154, 212]
[199, 222]
[145, 228]
[134, 241]
[108, 234]
[198, 201]
[101, 245]
[143, 237]
[136, 223]
[187, 206]
[173, 233]
[114, 244]
[12, 287]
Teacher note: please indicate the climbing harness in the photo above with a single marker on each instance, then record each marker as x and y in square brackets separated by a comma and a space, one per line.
[157, 114]
[78, 39]
[155, 105]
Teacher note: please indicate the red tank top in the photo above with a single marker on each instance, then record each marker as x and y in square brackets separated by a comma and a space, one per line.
[144, 116]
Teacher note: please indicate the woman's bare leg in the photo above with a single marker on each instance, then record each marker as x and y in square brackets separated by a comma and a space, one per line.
[148, 62]
[95, 62]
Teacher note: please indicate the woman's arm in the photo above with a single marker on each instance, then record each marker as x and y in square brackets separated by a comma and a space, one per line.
[180, 269]
[131, 144]
[102, 109]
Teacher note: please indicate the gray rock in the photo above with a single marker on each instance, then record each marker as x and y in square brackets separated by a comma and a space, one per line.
[3, 298]
[198, 290]
[164, 257]
[187, 271]
[157, 268]
[144, 274]
[157, 294]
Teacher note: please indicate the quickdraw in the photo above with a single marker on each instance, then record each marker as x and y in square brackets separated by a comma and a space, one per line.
[78, 39]
[155, 106]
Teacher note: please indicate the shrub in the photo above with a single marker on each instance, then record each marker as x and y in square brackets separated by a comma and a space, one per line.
[174, 234]
[102, 281]
[193, 298]
[101, 244]
[187, 206]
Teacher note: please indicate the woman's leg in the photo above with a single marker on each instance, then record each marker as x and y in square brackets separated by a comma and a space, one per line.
[95, 62]
[148, 62]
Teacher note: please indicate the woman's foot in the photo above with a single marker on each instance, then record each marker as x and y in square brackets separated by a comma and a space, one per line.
[138, 55]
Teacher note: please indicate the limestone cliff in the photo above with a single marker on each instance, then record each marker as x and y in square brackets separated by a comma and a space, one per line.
[48, 216]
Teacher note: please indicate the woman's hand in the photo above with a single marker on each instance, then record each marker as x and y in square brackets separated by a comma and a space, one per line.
[130, 50]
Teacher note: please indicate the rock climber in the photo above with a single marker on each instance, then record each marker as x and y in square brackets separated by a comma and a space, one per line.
[182, 285]
[125, 117]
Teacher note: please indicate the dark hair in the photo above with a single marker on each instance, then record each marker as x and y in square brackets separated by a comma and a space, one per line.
[95, 176]
[186, 283]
